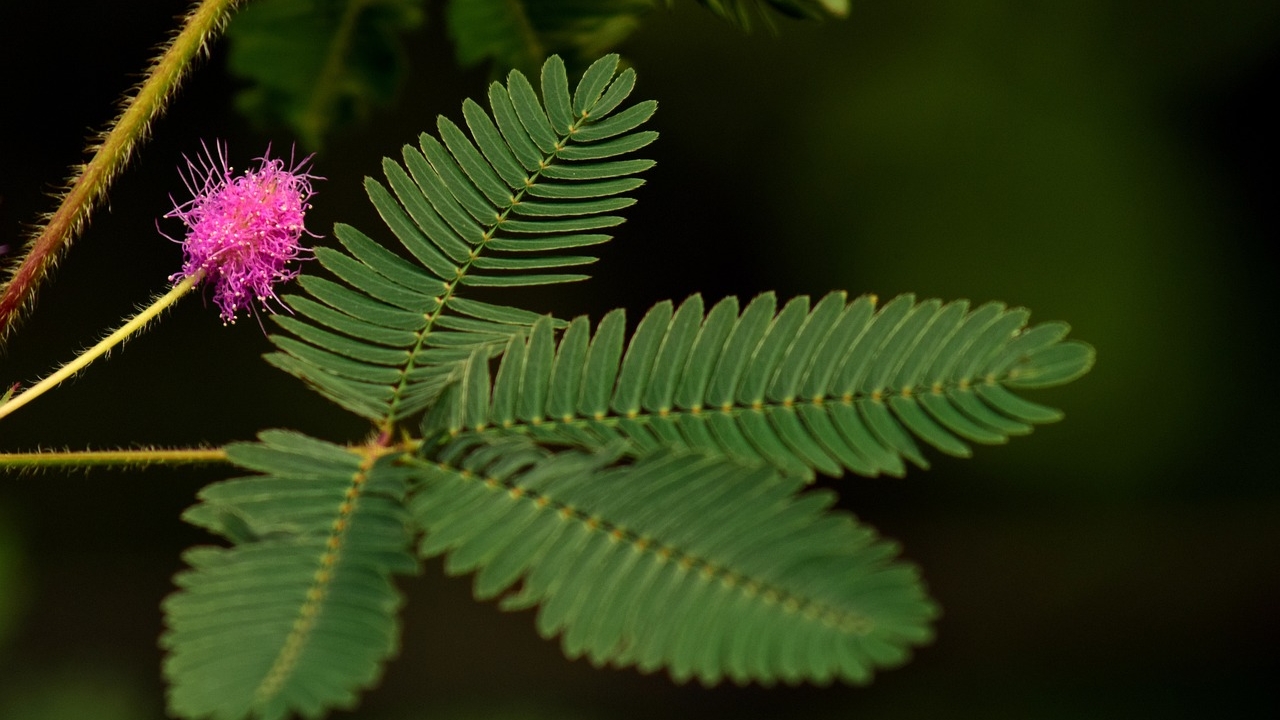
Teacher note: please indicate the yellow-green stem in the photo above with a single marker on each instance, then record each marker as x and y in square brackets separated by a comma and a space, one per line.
[89, 185]
[135, 324]
[110, 458]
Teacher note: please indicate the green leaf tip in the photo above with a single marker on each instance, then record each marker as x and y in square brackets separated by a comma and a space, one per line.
[1055, 365]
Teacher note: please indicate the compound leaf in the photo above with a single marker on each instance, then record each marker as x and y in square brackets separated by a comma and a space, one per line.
[682, 562]
[833, 387]
[476, 211]
[299, 613]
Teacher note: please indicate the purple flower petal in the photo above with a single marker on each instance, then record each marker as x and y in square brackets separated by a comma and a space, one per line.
[243, 231]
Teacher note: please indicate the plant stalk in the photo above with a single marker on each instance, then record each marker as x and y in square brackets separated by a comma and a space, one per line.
[136, 324]
[89, 184]
[110, 458]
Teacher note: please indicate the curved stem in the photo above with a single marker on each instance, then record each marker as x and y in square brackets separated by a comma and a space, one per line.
[134, 325]
[91, 181]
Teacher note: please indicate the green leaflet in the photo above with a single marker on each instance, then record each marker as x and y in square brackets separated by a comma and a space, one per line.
[300, 612]
[830, 388]
[495, 207]
[318, 65]
[682, 562]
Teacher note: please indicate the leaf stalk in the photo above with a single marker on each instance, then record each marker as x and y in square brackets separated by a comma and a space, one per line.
[110, 458]
[134, 325]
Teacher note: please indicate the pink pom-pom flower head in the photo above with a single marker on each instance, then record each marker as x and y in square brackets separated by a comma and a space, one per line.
[243, 231]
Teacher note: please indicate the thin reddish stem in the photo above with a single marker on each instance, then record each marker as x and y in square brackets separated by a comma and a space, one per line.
[114, 146]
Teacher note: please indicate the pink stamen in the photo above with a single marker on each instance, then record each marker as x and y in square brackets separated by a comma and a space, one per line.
[243, 231]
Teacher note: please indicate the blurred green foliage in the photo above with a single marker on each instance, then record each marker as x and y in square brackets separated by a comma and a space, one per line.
[521, 35]
[80, 690]
[317, 66]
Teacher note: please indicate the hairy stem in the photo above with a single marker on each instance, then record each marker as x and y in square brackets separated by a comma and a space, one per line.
[110, 458]
[145, 457]
[90, 181]
[136, 324]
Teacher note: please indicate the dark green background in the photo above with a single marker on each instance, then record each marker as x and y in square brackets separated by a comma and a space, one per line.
[1111, 164]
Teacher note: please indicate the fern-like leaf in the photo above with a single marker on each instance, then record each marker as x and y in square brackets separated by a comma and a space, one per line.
[839, 386]
[513, 204]
[300, 613]
[682, 562]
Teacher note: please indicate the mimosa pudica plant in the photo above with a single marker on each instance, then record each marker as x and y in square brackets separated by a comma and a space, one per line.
[649, 493]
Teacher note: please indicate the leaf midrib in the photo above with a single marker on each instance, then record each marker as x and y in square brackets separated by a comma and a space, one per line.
[844, 620]
[392, 416]
[286, 661]
[612, 419]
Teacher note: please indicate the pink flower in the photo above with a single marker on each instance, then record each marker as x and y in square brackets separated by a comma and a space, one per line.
[243, 231]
